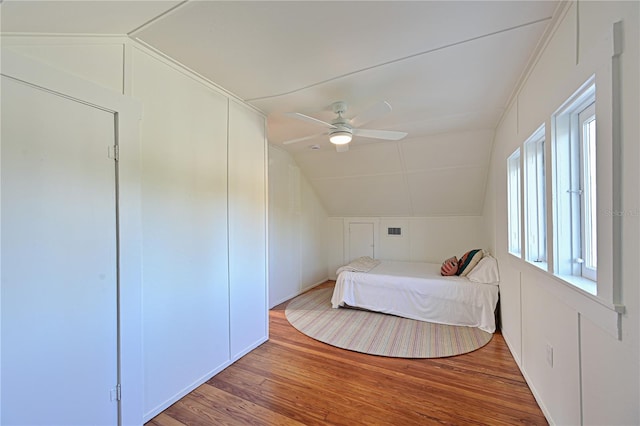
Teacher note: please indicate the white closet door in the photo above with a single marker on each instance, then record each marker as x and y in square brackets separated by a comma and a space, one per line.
[247, 230]
[59, 283]
[360, 240]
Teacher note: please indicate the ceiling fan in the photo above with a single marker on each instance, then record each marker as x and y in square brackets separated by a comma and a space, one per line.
[341, 130]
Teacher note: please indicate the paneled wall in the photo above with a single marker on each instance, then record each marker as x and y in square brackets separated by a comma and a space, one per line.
[184, 210]
[247, 229]
[201, 183]
[96, 59]
[204, 228]
[593, 376]
[298, 240]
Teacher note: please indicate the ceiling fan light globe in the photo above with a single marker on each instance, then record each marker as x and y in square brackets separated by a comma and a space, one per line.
[340, 138]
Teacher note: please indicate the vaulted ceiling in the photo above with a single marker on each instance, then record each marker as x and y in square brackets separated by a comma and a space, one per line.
[447, 68]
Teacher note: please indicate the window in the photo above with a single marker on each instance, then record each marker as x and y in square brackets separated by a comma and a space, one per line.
[587, 123]
[535, 199]
[574, 197]
[514, 203]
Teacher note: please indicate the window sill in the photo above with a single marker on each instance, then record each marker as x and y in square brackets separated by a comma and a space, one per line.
[583, 284]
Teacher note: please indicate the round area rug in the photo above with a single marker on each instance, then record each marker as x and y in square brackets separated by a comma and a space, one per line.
[379, 334]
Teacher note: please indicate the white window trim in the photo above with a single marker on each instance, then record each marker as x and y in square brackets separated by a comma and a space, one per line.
[567, 198]
[514, 218]
[587, 271]
[535, 194]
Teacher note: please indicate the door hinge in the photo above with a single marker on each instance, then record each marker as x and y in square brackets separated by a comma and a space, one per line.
[116, 393]
[114, 152]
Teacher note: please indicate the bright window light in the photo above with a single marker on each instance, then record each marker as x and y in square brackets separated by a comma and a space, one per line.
[535, 199]
[514, 203]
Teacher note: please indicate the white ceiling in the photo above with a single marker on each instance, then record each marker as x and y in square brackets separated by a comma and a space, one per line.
[447, 68]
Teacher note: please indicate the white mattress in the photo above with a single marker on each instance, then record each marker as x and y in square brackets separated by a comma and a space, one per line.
[418, 291]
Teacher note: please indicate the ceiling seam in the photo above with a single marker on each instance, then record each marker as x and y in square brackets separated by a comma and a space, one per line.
[188, 72]
[393, 61]
[557, 17]
[156, 18]
[404, 173]
[356, 176]
[466, 114]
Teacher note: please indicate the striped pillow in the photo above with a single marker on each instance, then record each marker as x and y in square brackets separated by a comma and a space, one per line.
[449, 267]
[468, 261]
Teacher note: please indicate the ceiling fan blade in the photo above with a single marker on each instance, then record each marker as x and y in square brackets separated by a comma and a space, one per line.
[376, 111]
[380, 134]
[342, 148]
[290, 141]
[309, 119]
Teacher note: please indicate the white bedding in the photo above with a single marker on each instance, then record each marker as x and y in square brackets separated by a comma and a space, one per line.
[418, 291]
[361, 264]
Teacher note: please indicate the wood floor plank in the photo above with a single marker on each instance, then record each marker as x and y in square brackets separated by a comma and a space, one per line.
[364, 384]
[351, 403]
[284, 399]
[293, 379]
[241, 409]
[163, 419]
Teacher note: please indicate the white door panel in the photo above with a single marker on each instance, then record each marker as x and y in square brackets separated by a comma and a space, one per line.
[59, 271]
[361, 240]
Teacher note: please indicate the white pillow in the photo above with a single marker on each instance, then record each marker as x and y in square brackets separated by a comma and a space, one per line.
[485, 272]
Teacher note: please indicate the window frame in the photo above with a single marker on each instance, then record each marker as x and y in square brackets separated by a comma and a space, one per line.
[514, 204]
[567, 176]
[588, 213]
[535, 194]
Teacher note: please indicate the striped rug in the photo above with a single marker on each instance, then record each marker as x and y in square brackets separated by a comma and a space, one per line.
[379, 334]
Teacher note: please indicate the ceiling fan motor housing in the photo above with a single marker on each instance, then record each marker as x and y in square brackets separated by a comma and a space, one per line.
[341, 127]
[341, 134]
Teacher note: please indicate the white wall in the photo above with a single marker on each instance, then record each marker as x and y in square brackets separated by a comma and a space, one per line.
[297, 230]
[594, 379]
[97, 59]
[423, 239]
[247, 207]
[182, 172]
[184, 211]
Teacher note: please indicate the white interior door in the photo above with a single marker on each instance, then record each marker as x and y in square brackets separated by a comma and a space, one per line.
[361, 240]
[59, 272]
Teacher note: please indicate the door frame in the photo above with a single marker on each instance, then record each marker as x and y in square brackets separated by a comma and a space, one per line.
[345, 232]
[127, 113]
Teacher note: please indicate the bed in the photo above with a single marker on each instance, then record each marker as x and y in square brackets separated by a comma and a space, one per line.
[418, 291]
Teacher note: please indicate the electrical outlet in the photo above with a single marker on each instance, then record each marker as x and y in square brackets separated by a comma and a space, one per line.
[549, 354]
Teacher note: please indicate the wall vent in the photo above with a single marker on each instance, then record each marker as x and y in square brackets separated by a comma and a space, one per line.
[394, 231]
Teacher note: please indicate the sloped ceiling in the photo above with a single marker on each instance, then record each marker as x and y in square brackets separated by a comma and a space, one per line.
[447, 68]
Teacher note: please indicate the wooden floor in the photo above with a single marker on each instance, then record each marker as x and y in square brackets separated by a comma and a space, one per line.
[295, 380]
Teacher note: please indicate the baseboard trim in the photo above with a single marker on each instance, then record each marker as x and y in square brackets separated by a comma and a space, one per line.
[312, 286]
[249, 348]
[180, 394]
[535, 393]
[298, 293]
